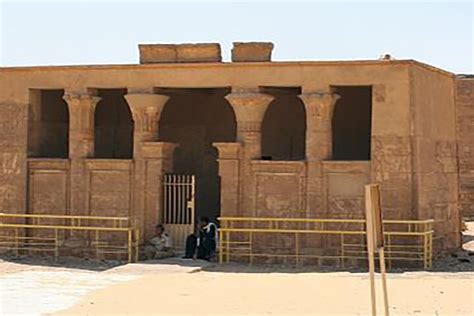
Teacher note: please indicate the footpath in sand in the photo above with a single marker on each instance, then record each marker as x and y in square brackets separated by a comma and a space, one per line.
[42, 286]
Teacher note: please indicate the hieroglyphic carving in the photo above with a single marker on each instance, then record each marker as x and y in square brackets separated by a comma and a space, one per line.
[12, 117]
[81, 111]
[10, 163]
[319, 104]
[8, 193]
[379, 93]
[146, 111]
[249, 108]
[81, 123]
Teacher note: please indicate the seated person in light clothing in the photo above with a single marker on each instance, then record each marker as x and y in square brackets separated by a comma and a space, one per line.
[159, 247]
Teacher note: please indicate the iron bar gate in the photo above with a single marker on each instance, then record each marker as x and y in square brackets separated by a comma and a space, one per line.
[178, 212]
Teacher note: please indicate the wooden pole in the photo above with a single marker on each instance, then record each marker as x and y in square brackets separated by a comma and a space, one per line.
[384, 280]
[370, 247]
[375, 242]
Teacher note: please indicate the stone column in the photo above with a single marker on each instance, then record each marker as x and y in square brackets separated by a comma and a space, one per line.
[81, 146]
[146, 111]
[249, 106]
[229, 174]
[148, 157]
[81, 124]
[319, 110]
[157, 160]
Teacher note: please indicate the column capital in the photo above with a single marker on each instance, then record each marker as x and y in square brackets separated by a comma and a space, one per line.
[249, 107]
[319, 104]
[228, 150]
[319, 111]
[81, 110]
[80, 98]
[81, 123]
[146, 111]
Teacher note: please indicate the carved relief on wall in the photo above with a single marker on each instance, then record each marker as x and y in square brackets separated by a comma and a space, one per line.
[12, 118]
[109, 188]
[280, 189]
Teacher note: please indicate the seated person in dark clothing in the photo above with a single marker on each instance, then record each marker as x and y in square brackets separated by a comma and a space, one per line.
[203, 240]
[192, 243]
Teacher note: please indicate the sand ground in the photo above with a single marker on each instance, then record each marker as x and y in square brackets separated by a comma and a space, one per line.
[279, 294]
[183, 288]
[177, 287]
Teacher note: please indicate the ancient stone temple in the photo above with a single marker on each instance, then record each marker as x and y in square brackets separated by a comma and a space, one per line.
[251, 137]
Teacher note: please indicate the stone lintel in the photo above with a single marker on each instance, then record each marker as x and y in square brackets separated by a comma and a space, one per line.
[48, 163]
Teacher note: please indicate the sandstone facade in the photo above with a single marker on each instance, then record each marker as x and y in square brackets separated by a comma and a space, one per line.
[465, 126]
[270, 139]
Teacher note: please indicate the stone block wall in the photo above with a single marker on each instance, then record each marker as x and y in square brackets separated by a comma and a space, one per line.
[435, 168]
[344, 182]
[13, 169]
[48, 191]
[279, 189]
[465, 134]
[109, 188]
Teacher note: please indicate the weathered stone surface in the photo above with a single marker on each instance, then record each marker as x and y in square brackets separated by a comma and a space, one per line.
[107, 200]
[344, 188]
[81, 124]
[280, 188]
[229, 167]
[181, 53]
[146, 111]
[252, 51]
[197, 53]
[319, 111]
[465, 143]
[346, 207]
[157, 53]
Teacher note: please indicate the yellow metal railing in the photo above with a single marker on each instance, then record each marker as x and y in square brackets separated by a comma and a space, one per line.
[23, 232]
[342, 239]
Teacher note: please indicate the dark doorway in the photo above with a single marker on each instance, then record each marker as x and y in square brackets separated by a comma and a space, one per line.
[284, 125]
[195, 118]
[351, 123]
[48, 125]
[113, 125]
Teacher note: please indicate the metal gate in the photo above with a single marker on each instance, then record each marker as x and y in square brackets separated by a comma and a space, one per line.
[178, 211]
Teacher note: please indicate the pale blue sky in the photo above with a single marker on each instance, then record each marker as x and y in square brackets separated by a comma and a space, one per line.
[55, 33]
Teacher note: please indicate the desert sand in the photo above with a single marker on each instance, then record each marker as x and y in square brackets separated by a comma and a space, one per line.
[215, 293]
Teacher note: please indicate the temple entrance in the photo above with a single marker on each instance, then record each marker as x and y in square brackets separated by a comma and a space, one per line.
[194, 119]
